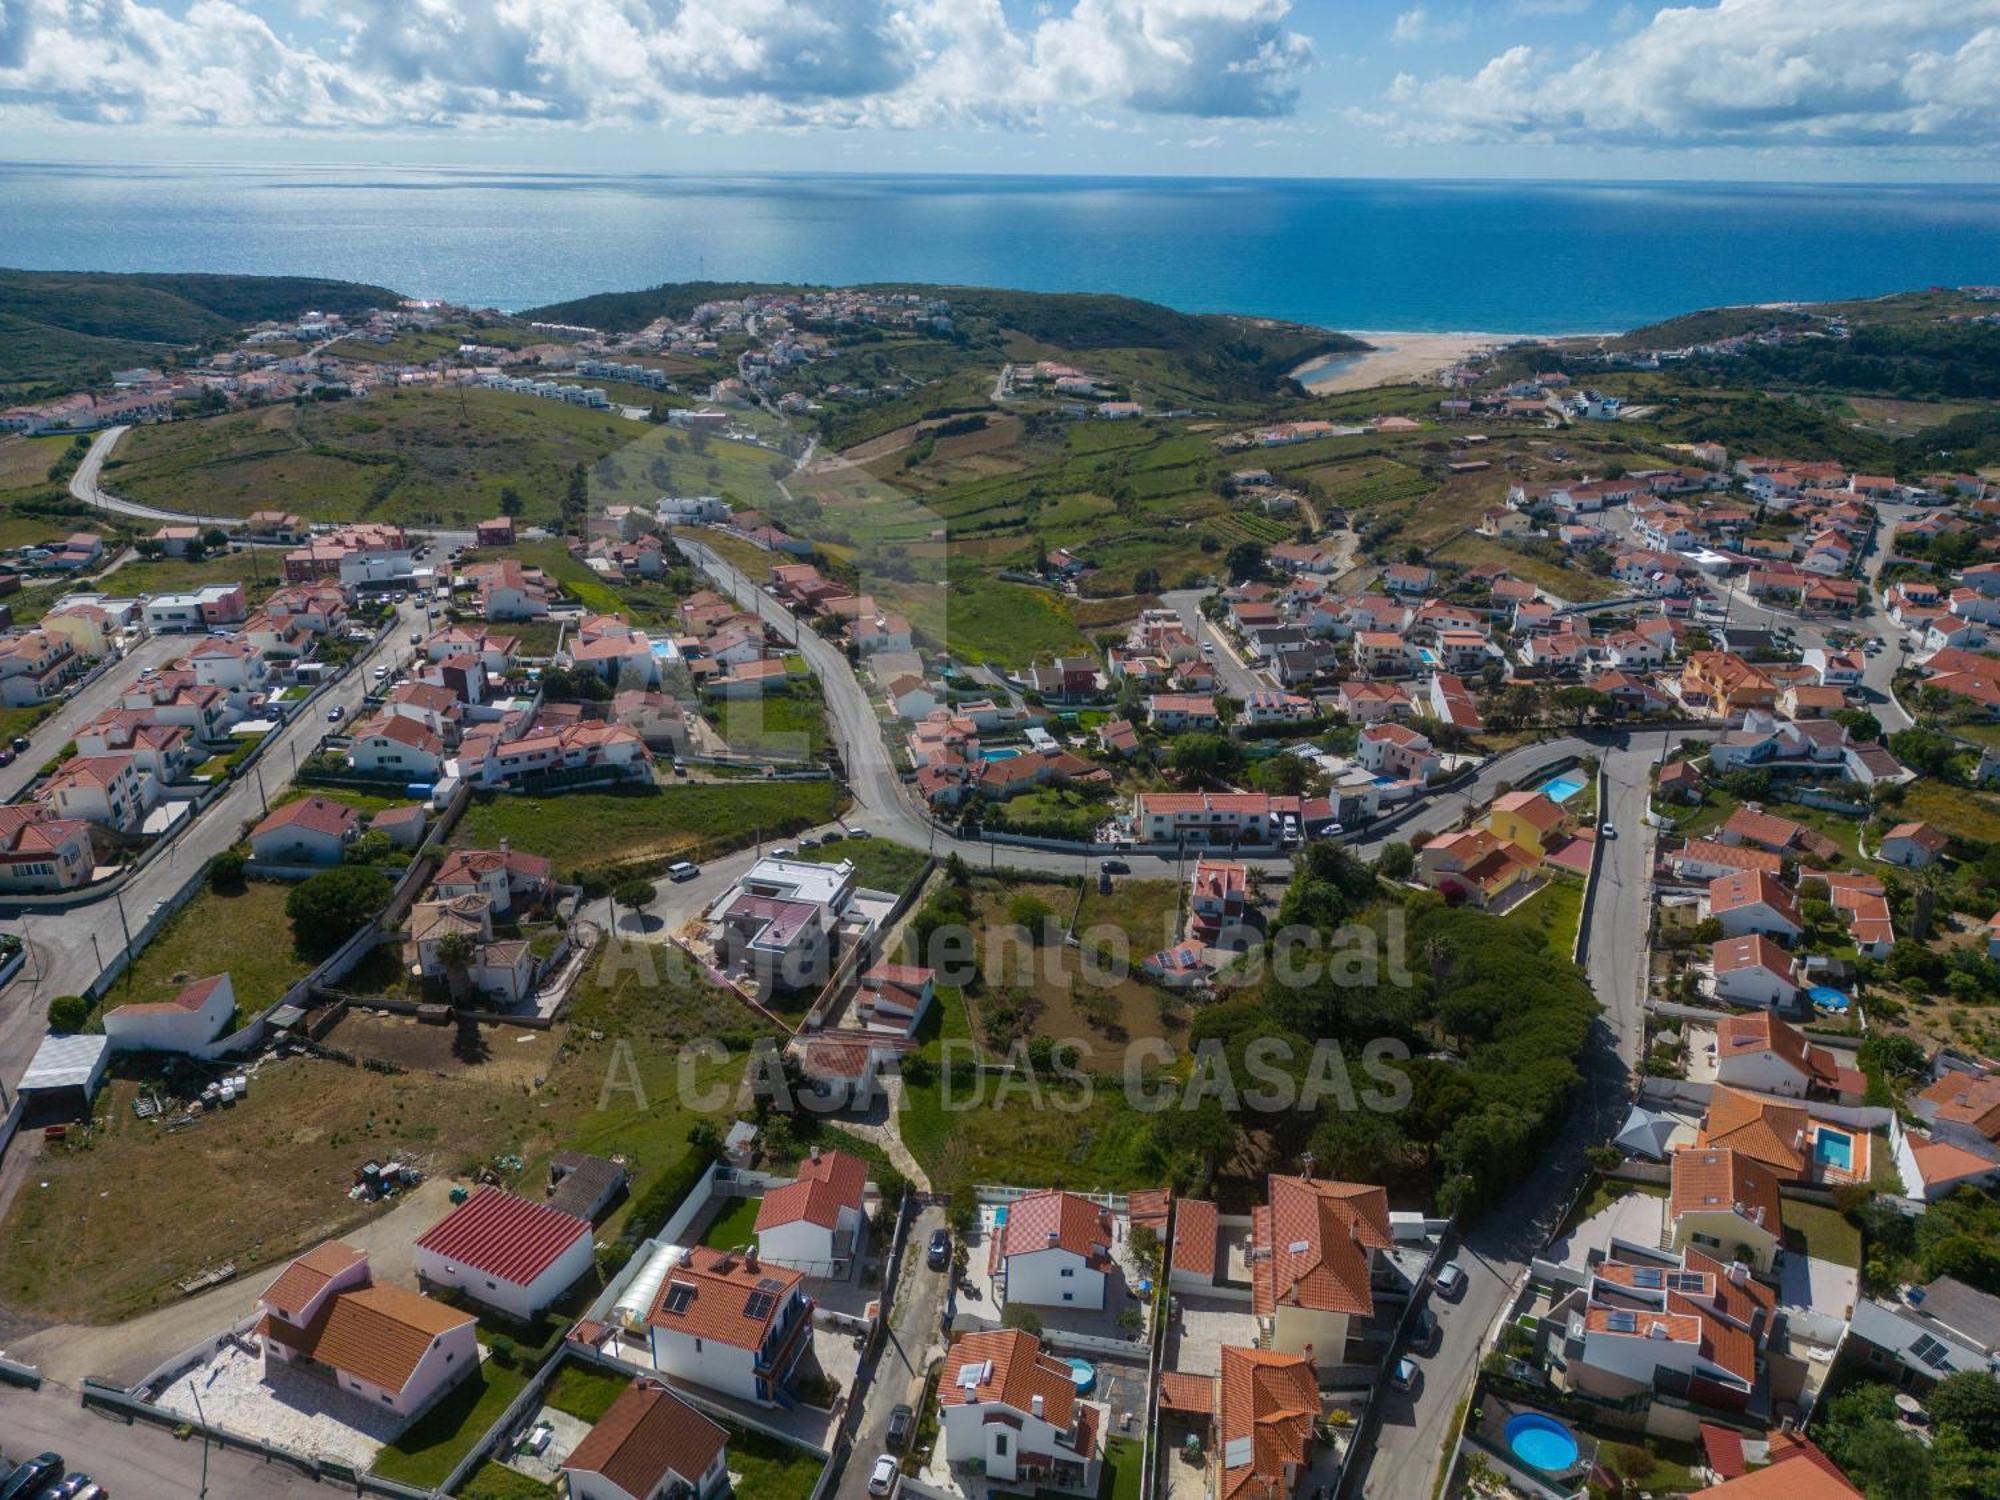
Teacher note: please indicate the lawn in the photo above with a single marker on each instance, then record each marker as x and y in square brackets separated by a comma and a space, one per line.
[244, 932]
[416, 455]
[981, 619]
[735, 1225]
[786, 725]
[646, 825]
[492, 1480]
[432, 1446]
[1555, 911]
[258, 569]
[772, 1470]
[878, 863]
[1822, 1233]
[1958, 810]
[585, 1391]
[1123, 1466]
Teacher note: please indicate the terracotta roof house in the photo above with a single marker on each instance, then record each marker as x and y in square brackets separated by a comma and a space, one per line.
[1313, 1250]
[1763, 1054]
[1195, 1254]
[314, 830]
[1797, 1471]
[1056, 1250]
[815, 1223]
[1755, 901]
[649, 1443]
[390, 1347]
[1011, 1413]
[1912, 845]
[732, 1322]
[1270, 1404]
[506, 1252]
[191, 1020]
[1726, 1203]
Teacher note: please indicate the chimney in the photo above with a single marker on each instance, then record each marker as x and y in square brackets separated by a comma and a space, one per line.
[749, 1257]
[1055, 1236]
[1035, 1404]
[504, 845]
[1739, 1274]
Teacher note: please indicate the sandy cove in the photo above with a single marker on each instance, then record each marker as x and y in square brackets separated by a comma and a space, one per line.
[1401, 358]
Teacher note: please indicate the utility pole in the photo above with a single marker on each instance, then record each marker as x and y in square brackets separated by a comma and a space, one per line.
[258, 772]
[119, 897]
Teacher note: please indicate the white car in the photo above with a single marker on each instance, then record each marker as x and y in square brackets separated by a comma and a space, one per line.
[1450, 1280]
[882, 1478]
[682, 870]
[1608, 830]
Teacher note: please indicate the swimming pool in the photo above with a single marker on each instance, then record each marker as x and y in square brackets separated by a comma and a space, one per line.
[1826, 997]
[1832, 1149]
[1083, 1375]
[1542, 1442]
[1561, 788]
[1001, 753]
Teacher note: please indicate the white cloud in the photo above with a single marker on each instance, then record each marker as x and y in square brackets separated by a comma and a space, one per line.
[1752, 73]
[700, 64]
[1410, 25]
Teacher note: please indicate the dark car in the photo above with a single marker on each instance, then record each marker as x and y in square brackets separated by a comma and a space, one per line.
[901, 1420]
[34, 1476]
[20, 743]
[939, 1254]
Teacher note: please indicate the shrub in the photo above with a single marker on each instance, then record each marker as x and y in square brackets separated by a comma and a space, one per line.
[68, 1013]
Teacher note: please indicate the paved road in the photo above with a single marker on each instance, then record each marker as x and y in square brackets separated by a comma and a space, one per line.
[917, 1305]
[67, 951]
[1235, 675]
[78, 710]
[1417, 1428]
[133, 1460]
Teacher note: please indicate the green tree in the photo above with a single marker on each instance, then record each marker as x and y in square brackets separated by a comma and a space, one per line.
[68, 1013]
[456, 951]
[332, 906]
[511, 503]
[634, 894]
[1204, 757]
[1970, 1401]
[1398, 860]
[1245, 562]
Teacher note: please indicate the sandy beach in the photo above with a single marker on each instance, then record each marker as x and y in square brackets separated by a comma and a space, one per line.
[1399, 358]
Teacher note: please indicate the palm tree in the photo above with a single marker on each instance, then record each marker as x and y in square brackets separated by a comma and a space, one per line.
[456, 951]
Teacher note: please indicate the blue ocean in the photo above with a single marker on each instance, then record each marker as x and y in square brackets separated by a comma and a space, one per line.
[1533, 257]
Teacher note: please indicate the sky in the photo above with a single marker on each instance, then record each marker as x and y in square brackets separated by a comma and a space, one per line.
[1804, 90]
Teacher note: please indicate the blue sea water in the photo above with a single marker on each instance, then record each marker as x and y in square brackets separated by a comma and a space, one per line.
[1357, 254]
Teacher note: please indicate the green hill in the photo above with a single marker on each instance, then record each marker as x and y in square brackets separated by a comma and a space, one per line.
[66, 327]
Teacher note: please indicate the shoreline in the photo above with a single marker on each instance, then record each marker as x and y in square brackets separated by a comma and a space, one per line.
[1401, 357]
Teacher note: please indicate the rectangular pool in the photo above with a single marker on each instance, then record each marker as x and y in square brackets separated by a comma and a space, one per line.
[1832, 1149]
[1560, 788]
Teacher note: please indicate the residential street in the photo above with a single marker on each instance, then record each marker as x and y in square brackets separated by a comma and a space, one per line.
[899, 1373]
[60, 727]
[138, 1461]
[1237, 679]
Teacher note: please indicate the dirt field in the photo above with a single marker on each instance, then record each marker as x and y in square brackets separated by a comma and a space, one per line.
[507, 1055]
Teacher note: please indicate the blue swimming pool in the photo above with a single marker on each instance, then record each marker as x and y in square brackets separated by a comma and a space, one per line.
[1832, 1149]
[1561, 788]
[1002, 752]
[1083, 1374]
[1828, 998]
[1542, 1443]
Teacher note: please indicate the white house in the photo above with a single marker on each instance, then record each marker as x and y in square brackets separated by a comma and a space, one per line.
[732, 1322]
[391, 1347]
[814, 1223]
[394, 745]
[1313, 1248]
[1764, 1055]
[192, 1019]
[1056, 1250]
[113, 790]
[314, 830]
[1010, 1410]
[1753, 970]
[1752, 901]
[895, 997]
[1912, 845]
[506, 1252]
[648, 1445]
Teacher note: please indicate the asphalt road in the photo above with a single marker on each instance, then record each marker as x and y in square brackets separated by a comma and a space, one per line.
[78, 710]
[68, 950]
[1236, 677]
[134, 1460]
[916, 1307]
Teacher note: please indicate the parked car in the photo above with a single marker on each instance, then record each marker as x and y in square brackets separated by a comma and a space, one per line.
[20, 742]
[334, 714]
[416, 637]
[34, 1476]
[832, 836]
[882, 1478]
[1425, 1333]
[1608, 830]
[810, 841]
[1114, 867]
[6, 756]
[784, 854]
[1450, 1280]
[901, 1420]
[682, 870]
[1406, 1376]
[938, 1256]
[859, 833]
[380, 673]
[538, 1439]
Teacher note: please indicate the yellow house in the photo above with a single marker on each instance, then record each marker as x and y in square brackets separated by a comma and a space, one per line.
[1312, 1252]
[88, 629]
[1528, 819]
[1726, 1204]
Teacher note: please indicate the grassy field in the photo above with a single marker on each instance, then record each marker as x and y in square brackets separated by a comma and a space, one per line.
[432, 1446]
[1956, 809]
[244, 932]
[735, 1225]
[259, 570]
[787, 725]
[646, 824]
[492, 1480]
[584, 1391]
[1822, 1233]
[419, 455]
[1555, 911]
[878, 863]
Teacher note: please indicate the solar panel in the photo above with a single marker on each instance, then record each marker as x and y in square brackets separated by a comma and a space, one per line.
[679, 1295]
[1931, 1352]
[759, 1305]
[1237, 1452]
[972, 1376]
[769, 1284]
[1647, 1276]
[1688, 1281]
[1623, 1322]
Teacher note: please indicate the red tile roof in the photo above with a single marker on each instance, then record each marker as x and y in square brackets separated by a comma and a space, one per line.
[1313, 1245]
[1195, 1238]
[645, 1435]
[1272, 1400]
[1057, 1220]
[502, 1236]
[719, 1297]
[313, 814]
[827, 1182]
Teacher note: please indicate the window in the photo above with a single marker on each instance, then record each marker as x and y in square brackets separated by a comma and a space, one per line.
[999, 1445]
[1069, 1270]
[1069, 1296]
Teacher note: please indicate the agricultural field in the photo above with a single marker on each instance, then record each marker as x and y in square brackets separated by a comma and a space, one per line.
[412, 456]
